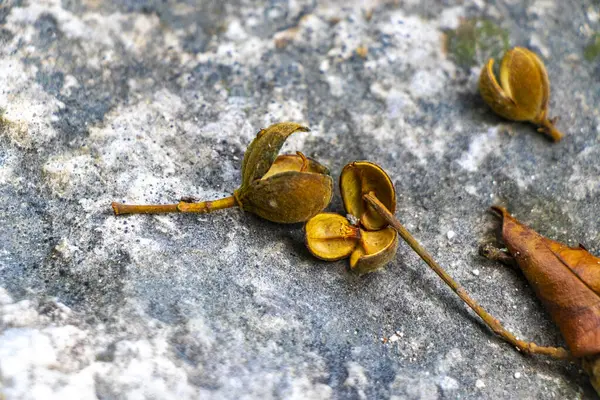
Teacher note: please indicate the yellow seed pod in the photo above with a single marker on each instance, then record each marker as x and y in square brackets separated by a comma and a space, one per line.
[331, 237]
[370, 243]
[287, 196]
[295, 162]
[359, 178]
[523, 92]
[262, 151]
[376, 249]
[285, 189]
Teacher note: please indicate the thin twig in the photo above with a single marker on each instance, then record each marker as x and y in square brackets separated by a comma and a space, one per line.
[181, 207]
[493, 323]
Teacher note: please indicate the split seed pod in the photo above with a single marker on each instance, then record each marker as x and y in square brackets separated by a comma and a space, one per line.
[524, 91]
[369, 243]
[567, 281]
[285, 189]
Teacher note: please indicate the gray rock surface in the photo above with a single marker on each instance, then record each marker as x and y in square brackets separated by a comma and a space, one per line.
[149, 100]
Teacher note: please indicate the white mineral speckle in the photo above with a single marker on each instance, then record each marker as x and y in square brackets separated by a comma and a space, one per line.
[472, 190]
[421, 386]
[450, 18]
[65, 249]
[426, 84]
[4, 297]
[27, 106]
[357, 379]
[593, 14]
[452, 358]
[481, 146]
[64, 172]
[448, 384]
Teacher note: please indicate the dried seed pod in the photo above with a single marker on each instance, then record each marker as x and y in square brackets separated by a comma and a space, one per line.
[359, 178]
[369, 244]
[295, 162]
[285, 189]
[375, 249]
[287, 197]
[263, 150]
[524, 91]
[331, 237]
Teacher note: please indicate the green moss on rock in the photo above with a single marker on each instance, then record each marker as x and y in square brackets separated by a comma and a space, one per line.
[475, 41]
[592, 50]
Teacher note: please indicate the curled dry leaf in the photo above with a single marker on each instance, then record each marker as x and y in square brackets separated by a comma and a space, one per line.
[287, 188]
[370, 244]
[523, 92]
[567, 281]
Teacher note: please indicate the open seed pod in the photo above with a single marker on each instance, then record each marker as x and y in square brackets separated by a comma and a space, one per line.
[286, 189]
[524, 91]
[331, 237]
[370, 244]
[359, 178]
[376, 249]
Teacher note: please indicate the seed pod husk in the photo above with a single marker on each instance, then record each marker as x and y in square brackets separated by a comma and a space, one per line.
[331, 237]
[524, 91]
[263, 150]
[359, 178]
[369, 244]
[287, 197]
[375, 250]
[286, 189]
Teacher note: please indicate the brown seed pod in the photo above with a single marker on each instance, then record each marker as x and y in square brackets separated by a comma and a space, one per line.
[285, 189]
[287, 197]
[523, 92]
[369, 244]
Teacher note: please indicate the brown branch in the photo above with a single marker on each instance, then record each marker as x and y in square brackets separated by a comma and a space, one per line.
[493, 323]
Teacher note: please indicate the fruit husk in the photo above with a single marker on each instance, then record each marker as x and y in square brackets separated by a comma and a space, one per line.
[566, 280]
[263, 150]
[525, 89]
[375, 250]
[359, 178]
[287, 197]
[295, 162]
[330, 236]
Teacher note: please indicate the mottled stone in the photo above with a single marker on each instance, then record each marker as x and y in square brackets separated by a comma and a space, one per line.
[151, 100]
